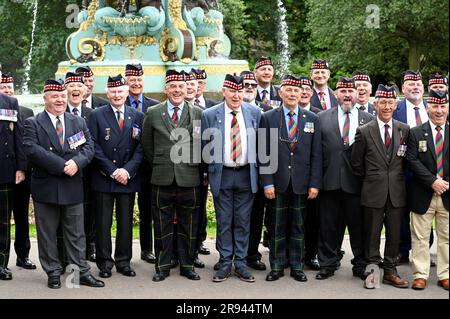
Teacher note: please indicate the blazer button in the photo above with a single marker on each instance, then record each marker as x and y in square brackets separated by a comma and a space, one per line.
[114, 161]
[115, 150]
[292, 154]
[6, 143]
[51, 148]
[289, 167]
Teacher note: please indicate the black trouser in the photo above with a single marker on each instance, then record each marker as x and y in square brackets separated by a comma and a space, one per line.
[124, 235]
[312, 223]
[202, 219]
[6, 200]
[374, 218]
[89, 213]
[336, 206]
[260, 206]
[20, 209]
[174, 205]
[145, 218]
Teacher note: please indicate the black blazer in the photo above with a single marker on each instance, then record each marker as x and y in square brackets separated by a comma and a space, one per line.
[98, 101]
[49, 184]
[12, 156]
[424, 168]
[302, 166]
[337, 168]
[316, 102]
[273, 94]
[25, 112]
[146, 103]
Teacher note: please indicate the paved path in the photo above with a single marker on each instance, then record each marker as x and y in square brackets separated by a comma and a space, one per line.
[32, 284]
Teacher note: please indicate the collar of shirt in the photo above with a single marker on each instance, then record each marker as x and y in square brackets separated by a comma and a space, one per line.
[170, 107]
[318, 91]
[121, 109]
[229, 109]
[132, 99]
[89, 101]
[365, 105]
[202, 100]
[260, 89]
[72, 107]
[53, 118]
[381, 124]
[353, 111]
[410, 105]
[434, 131]
[286, 111]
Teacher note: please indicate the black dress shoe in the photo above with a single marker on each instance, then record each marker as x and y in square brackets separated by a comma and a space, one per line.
[298, 275]
[25, 263]
[105, 273]
[198, 263]
[203, 250]
[127, 271]
[312, 263]
[274, 275]
[5, 274]
[190, 274]
[148, 257]
[173, 263]
[90, 281]
[217, 266]
[324, 274]
[257, 265]
[92, 257]
[160, 276]
[54, 282]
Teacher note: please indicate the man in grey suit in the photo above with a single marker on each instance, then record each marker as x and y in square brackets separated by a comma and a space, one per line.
[340, 197]
[229, 144]
[364, 88]
[58, 146]
[378, 157]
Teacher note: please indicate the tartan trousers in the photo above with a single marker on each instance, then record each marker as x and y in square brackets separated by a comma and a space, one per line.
[175, 205]
[287, 230]
[6, 201]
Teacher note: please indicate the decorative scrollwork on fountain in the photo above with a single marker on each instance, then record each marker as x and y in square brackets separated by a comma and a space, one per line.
[91, 50]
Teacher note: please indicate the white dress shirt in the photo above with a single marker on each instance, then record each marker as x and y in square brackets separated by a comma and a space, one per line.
[89, 101]
[261, 89]
[411, 113]
[381, 125]
[227, 138]
[78, 108]
[202, 101]
[53, 119]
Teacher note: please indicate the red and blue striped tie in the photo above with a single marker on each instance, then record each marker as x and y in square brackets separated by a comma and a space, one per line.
[292, 130]
[439, 152]
[59, 130]
[346, 129]
[387, 136]
[418, 119]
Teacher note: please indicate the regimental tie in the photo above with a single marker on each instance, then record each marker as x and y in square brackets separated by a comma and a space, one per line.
[136, 104]
[264, 98]
[439, 152]
[236, 146]
[292, 130]
[175, 116]
[346, 129]
[59, 130]
[75, 111]
[362, 108]
[387, 136]
[120, 119]
[418, 119]
[323, 102]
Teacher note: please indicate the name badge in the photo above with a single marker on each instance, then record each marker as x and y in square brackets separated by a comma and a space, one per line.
[423, 146]
[309, 127]
[8, 115]
[136, 132]
[402, 150]
[76, 140]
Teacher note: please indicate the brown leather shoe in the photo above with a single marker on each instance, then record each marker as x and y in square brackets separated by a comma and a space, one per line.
[419, 284]
[395, 281]
[443, 283]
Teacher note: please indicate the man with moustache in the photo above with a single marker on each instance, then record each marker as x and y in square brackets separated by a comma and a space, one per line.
[12, 172]
[134, 75]
[116, 130]
[364, 88]
[264, 72]
[340, 195]
[21, 200]
[174, 183]
[229, 133]
[58, 146]
[90, 100]
[412, 111]
[378, 158]
[323, 97]
[204, 103]
[428, 160]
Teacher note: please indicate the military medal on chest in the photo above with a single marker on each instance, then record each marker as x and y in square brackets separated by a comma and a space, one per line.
[108, 134]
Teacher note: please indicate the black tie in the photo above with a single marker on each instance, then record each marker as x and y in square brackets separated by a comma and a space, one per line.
[75, 111]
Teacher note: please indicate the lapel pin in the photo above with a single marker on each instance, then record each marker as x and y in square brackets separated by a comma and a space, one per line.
[129, 117]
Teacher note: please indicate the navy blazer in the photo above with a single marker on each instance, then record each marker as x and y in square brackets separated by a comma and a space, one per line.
[214, 118]
[49, 184]
[146, 103]
[98, 101]
[116, 148]
[400, 113]
[316, 102]
[274, 95]
[302, 166]
[12, 156]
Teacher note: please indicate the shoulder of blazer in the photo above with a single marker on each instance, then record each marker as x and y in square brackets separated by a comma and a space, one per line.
[151, 101]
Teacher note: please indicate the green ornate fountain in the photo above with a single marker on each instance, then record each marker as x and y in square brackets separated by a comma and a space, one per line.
[161, 35]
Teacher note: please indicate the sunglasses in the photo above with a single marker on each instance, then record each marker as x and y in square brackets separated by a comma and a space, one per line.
[250, 85]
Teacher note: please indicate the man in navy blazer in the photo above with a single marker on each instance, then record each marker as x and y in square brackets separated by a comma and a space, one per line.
[291, 176]
[323, 97]
[58, 146]
[229, 137]
[116, 130]
[267, 93]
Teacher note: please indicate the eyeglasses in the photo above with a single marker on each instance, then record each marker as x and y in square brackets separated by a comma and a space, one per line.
[250, 85]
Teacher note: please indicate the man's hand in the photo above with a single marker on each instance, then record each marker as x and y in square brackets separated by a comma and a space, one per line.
[269, 192]
[20, 177]
[313, 192]
[121, 176]
[71, 168]
[440, 186]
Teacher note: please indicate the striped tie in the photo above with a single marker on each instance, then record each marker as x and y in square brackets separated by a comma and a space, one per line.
[292, 130]
[236, 147]
[387, 136]
[60, 130]
[136, 104]
[175, 116]
[323, 102]
[439, 152]
[264, 98]
[346, 129]
[418, 119]
[120, 119]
